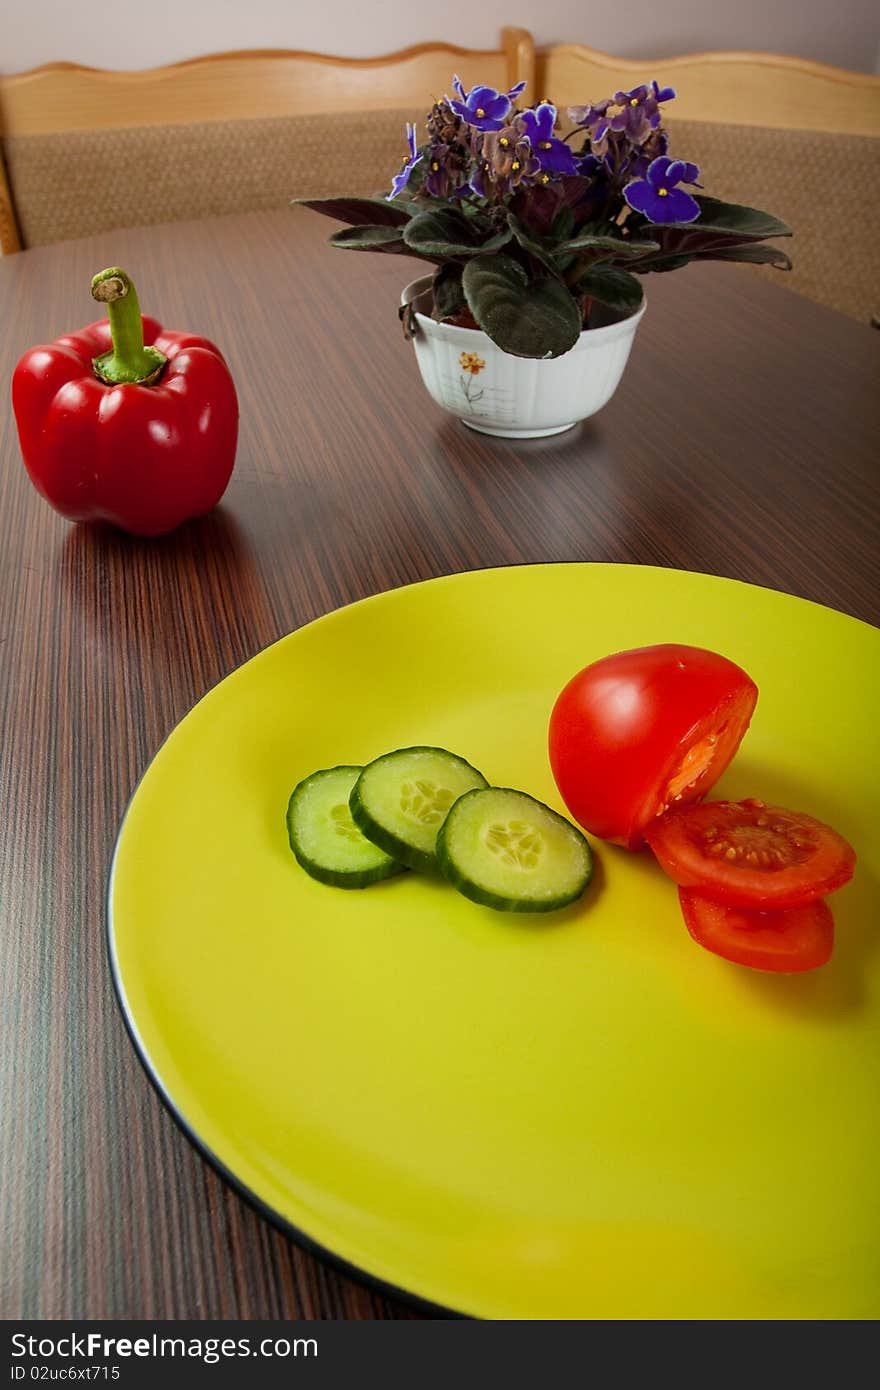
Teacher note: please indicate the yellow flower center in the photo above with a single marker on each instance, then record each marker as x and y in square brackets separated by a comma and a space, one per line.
[544, 145]
[435, 166]
[515, 164]
[633, 101]
[504, 142]
[664, 192]
[480, 112]
[545, 178]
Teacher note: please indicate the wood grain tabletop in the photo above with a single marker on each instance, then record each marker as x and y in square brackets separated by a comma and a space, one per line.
[741, 442]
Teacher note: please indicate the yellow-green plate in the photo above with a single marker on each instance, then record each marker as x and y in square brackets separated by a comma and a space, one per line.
[578, 1116]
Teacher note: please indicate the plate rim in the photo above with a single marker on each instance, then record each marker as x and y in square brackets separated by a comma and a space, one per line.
[374, 1282]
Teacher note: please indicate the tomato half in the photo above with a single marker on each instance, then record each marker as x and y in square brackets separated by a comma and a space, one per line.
[642, 730]
[799, 938]
[747, 854]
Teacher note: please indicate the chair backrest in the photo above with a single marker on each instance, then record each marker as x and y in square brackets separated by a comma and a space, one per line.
[795, 137]
[756, 89]
[59, 120]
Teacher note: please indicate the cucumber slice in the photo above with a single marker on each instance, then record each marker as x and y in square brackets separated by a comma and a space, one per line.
[325, 839]
[401, 799]
[506, 850]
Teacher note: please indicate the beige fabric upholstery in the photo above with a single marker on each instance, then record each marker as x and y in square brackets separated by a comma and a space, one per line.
[78, 182]
[825, 186]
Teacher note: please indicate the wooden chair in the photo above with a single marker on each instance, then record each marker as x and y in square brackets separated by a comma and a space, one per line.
[87, 149]
[795, 137]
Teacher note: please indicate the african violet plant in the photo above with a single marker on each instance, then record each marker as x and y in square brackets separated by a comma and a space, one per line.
[528, 229]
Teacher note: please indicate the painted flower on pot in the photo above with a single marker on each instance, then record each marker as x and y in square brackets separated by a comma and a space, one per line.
[471, 365]
[471, 362]
[530, 228]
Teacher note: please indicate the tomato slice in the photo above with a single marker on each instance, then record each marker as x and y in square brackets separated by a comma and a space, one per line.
[798, 938]
[641, 730]
[748, 854]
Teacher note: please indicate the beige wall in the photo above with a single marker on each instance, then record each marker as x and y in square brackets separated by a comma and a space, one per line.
[844, 32]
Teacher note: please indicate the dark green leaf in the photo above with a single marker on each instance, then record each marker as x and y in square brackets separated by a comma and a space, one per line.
[370, 239]
[720, 227]
[527, 318]
[496, 240]
[530, 242]
[563, 224]
[449, 297]
[655, 263]
[758, 255]
[443, 233]
[610, 246]
[437, 228]
[359, 212]
[615, 288]
[734, 219]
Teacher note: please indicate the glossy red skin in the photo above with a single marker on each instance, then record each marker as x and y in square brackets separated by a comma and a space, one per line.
[145, 458]
[680, 850]
[793, 940]
[621, 727]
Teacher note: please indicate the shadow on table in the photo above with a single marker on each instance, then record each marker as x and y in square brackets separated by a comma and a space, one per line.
[582, 440]
[191, 603]
[98, 541]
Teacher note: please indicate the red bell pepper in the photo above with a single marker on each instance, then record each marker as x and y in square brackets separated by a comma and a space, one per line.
[125, 421]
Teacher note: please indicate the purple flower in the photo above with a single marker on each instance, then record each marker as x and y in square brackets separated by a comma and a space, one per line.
[634, 114]
[588, 165]
[553, 155]
[595, 120]
[663, 93]
[399, 182]
[444, 171]
[656, 195]
[656, 144]
[588, 115]
[505, 161]
[638, 115]
[444, 127]
[510, 155]
[481, 180]
[483, 107]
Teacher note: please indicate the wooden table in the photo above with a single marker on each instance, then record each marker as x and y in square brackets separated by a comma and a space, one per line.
[741, 442]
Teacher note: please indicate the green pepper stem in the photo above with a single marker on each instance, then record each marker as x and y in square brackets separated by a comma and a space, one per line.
[129, 361]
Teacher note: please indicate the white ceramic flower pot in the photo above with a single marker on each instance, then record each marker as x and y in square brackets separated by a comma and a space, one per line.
[518, 397]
